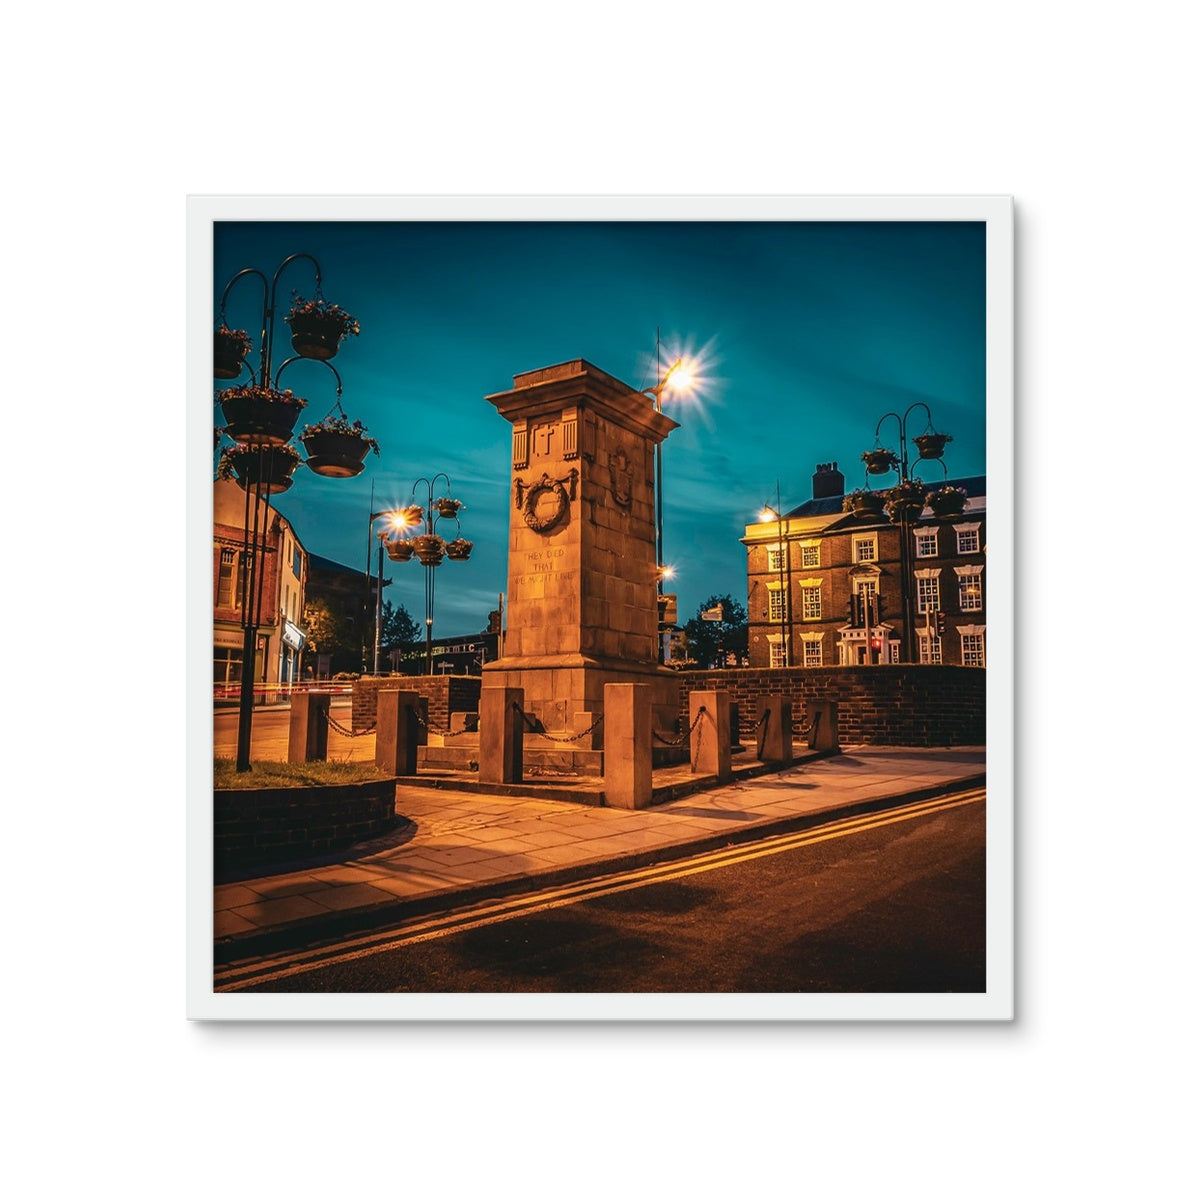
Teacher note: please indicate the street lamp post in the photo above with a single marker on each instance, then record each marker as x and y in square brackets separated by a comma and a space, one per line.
[678, 376]
[656, 392]
[785, 577]
[419, 537]
[259, 420]
[930, 446]
[396, 522]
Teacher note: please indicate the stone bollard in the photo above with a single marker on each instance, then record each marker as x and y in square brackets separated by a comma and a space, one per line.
[628, 753]
[709, 741]
[308, 727]
[823, 730]
[501, 734]
[396, 732]
[775, 733]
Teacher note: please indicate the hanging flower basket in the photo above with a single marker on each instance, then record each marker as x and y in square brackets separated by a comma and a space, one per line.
[412, 515]
[399, 549]
[947, 501]
[259, 415]
[864, 503]
[932, 445]
[459, 550]
[336, 448]
[271, 466]
[318, 327]
[880, 462]
[447, 507]
[230, 347]
[905, 499]
[429, 549]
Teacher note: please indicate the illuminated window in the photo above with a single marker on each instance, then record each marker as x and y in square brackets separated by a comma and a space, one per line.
[864, 549]
[776, 644]
[226, 597]
[968, 538]
[970, 589]
[775, 604]
[811, 603]
[775, 559]
[810, 555]
[972, 650]
[927, 543]
[812, 652]
[928, 591]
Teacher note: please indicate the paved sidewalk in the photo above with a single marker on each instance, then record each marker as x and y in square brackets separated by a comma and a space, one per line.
[460, 847]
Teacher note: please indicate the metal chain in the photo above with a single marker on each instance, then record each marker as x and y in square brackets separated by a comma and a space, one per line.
[529, 719]
[682, 739]
[347, 732]
[446, 733]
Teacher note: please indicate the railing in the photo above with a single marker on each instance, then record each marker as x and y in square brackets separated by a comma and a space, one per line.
[281, 693]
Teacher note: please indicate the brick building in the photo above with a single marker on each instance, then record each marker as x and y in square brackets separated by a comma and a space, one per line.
[824, 586]
[280, 600]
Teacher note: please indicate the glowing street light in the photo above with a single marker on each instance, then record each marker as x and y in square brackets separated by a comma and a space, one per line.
[680, 377]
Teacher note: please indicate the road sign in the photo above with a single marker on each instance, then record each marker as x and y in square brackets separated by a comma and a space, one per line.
[713, 614]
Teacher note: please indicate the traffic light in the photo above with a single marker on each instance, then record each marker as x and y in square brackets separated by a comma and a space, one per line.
[940, 618]
[854, 608]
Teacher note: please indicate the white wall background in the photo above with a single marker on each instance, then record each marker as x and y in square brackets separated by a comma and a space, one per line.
[1085, 114]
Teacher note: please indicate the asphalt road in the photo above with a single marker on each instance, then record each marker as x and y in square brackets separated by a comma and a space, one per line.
[891, 903]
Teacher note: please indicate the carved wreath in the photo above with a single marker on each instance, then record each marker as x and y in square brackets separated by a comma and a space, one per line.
[528, 495]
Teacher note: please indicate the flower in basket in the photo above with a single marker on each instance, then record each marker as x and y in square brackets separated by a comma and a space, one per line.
[306, 313]
[930, 444]
[862, 498]
[880, 461]
[447, 507]
[429, 548]
[256, 394]
[230, 347]
[340, 425]
[947, 499]
[459, 549]
[904, 497]
[235, 457]
[259, 414]
[233, 340]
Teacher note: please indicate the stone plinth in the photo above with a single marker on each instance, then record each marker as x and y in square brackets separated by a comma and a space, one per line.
[628, 767]
[582, 583]
[709, 741]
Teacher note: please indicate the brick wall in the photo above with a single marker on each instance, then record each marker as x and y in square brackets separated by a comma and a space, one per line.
[265, 825]
[445, 694]
[893, 705]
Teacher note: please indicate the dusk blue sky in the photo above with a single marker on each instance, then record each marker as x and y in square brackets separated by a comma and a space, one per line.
[807, 334]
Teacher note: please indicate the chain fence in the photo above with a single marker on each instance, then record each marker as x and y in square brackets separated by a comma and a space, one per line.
[683, 738]
[430, 727]
[340, 728]
[533, 724]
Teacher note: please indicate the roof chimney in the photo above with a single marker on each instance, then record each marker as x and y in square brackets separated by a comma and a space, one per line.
[828, 481]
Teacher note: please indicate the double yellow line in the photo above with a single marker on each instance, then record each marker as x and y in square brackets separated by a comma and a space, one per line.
[283, 966]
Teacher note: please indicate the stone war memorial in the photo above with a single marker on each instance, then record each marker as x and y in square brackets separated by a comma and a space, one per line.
[582, 576]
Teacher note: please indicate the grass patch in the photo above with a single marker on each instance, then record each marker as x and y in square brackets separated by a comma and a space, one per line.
[283, 774]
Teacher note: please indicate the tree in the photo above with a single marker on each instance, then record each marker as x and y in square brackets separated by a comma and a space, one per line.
[321, 628]
[709, 640]
[397, 631]
[329, 631]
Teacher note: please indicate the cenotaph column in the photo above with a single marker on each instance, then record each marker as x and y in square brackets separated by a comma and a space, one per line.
[582, 578]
